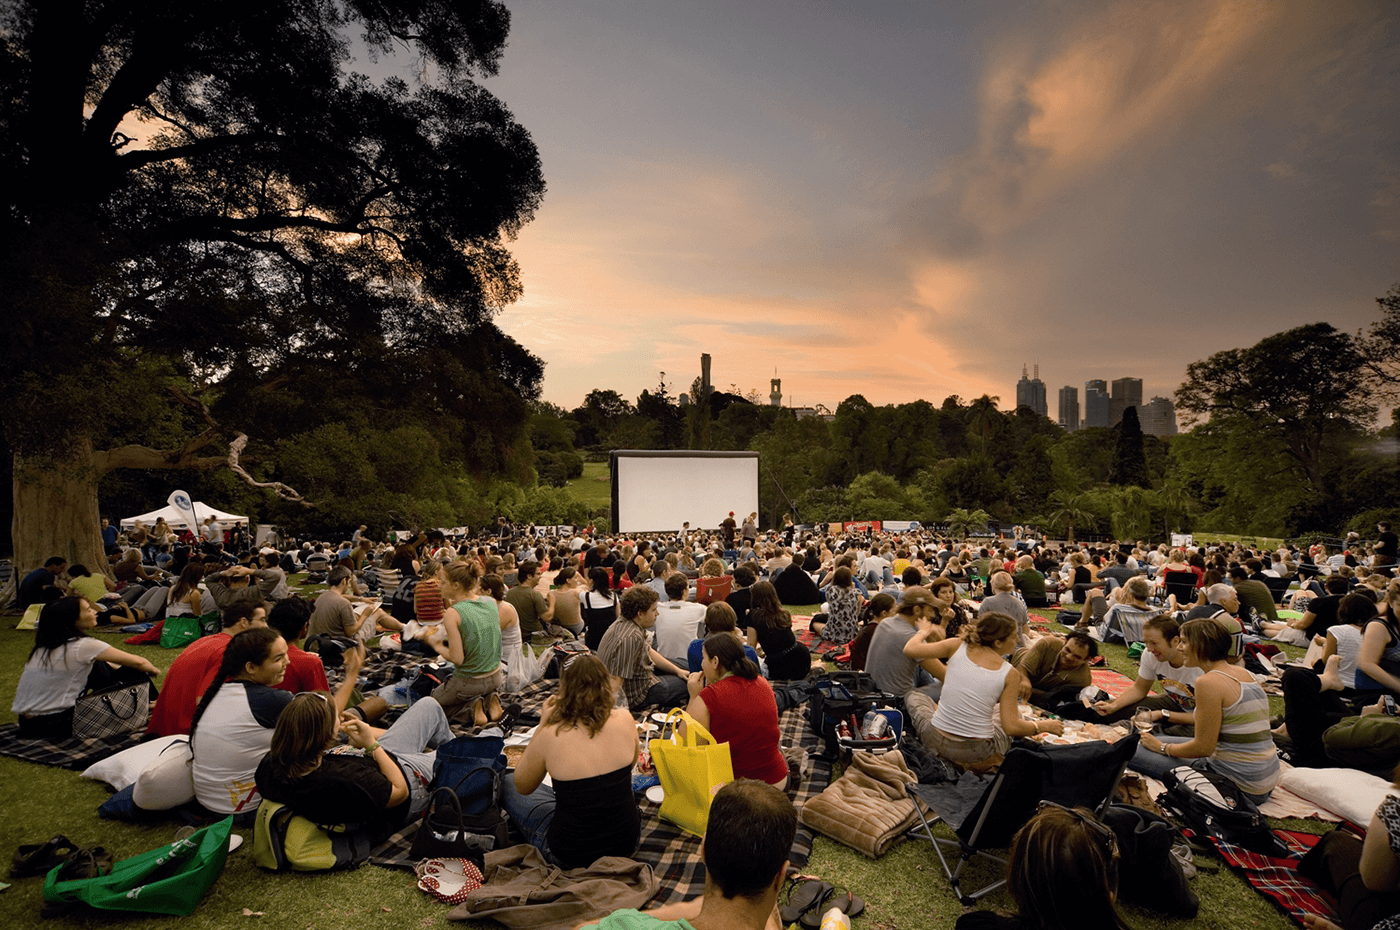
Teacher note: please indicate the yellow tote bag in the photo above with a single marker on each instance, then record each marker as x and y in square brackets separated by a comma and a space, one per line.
[691, 768]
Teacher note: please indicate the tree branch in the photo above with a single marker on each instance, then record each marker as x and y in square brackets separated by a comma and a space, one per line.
[235, 450]
[145, 157]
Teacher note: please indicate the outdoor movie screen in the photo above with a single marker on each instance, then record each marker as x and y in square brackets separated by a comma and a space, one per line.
[659, 491]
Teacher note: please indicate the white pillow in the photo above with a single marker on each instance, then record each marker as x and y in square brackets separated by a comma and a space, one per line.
[121, 770]
[1348, 793]
[168, 781]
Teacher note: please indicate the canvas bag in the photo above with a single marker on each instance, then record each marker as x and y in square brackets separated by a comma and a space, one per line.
[179, 632]
[117, 710]
[284, 841]
[692, 768]
[169, 880]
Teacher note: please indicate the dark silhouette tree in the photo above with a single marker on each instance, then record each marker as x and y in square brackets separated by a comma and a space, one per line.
[1129, 458]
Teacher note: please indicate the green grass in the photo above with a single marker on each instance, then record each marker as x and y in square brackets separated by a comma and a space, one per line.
[905, 889]
[594, 489]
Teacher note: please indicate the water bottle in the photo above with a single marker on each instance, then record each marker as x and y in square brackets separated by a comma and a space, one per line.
[835, 919]
[875, 725]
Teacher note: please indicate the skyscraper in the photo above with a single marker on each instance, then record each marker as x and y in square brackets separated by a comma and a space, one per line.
[1127, 392]
[1158, 417]
[1096, 403]
[1069, 407]
[1030, 392]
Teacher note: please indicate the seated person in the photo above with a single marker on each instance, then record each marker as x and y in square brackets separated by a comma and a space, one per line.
[272, 581]
[1063, 875]
[719, 618]
[238, 712]
[1164, 661]
[843, 603]
[1003, 600]
[84, 583]
[626, 652]
[470, 696]
[770, 628]
[563, 602]
[678, 621]
[892, 670]
[742, 596]
[1231, 718]
[1222, 604]
[335, 614]
[979, 690]
[65, 662]
[1362, 875]
[587, 746]
[1317, 619]
[379, 779]
[796, 587]
[1124, 620]
[192, 671]
[745, 851]
[713, 584]
[305, 672]
[736, 705]
[1055, 666]
[129, 571]
[1030, 583]
[1255, 597]
[530, 605]
[41, 585]
[229, 586]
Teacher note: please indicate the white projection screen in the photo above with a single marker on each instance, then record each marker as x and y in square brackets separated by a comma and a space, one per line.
[659, 491]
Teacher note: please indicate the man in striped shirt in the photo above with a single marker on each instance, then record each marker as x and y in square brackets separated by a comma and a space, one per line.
[626, 651]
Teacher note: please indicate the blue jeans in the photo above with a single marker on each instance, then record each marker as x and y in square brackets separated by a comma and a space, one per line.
[1156, 765]
[412, 739]
[532, 812]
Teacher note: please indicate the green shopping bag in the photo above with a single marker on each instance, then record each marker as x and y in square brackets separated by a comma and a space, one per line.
[179, 632]
[168, 880]
[692, 768]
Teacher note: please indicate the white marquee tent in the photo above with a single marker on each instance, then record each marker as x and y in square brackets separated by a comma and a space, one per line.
[176, 519]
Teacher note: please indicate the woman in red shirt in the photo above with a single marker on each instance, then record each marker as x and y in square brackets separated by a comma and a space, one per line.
[730, 699]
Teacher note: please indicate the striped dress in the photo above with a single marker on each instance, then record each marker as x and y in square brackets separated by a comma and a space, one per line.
[1245, 752]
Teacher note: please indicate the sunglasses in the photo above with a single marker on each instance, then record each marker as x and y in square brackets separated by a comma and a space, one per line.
[1108, 840]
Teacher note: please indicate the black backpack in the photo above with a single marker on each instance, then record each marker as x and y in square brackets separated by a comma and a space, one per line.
[1211, 805]
[401, 601]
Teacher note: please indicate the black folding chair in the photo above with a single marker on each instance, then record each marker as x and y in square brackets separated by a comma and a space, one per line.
[1079, 775]
[1278, 587]
[1182, 584]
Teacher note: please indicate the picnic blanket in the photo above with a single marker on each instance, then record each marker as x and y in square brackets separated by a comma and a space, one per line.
[1111, 682]
[1278, 879]
[673, 854]
[72, 753]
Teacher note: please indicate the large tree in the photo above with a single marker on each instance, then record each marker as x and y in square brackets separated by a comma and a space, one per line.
[209, 185]
[1295, 390]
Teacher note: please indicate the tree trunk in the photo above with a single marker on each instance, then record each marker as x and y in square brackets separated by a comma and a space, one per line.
[56, 510]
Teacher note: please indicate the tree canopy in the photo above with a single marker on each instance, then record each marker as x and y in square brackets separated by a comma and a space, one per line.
[210, 184]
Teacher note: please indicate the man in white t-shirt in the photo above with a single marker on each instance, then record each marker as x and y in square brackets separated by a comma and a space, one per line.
[678, 622]
[1163, 662]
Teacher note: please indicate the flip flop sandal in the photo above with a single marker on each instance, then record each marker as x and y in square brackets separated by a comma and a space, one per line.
[803, 896]
[40, 858]
[843, 900]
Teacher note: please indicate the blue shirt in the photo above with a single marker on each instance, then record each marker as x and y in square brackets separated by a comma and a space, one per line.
[109, 535]
[696, 653]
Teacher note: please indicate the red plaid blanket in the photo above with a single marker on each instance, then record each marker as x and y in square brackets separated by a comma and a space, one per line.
[1278, 878]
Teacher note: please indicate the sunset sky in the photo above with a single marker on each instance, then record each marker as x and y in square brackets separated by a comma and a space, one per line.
[912, 199]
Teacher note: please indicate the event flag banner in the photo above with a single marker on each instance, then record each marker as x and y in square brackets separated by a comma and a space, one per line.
[183, 503]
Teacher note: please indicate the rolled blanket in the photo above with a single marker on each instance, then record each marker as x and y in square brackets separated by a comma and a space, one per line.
[867, 807]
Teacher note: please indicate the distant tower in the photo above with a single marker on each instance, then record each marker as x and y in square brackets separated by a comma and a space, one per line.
[705, 388]
[1030, 392]
[775, 393]
[1069, 407]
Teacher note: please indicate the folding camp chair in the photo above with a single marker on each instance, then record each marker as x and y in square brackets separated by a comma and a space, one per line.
[1079, 775]
[1181, 584]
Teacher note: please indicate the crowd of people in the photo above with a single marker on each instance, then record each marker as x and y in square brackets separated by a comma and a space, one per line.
[703, 620]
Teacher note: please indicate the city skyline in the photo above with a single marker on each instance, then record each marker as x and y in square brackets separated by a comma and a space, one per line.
[903, 201]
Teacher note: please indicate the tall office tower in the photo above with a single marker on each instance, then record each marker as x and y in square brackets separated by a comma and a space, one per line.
[1096, 403]
[1127, 392]
[1069, 407]
[1030, 392]
[1158, 417]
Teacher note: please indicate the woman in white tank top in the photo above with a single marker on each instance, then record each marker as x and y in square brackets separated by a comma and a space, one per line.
[977, 715]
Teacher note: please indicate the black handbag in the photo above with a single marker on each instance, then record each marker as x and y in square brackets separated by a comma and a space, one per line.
[447, 833]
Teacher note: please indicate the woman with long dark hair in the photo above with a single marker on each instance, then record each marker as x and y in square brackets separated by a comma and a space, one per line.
[770, 627]
[587, 746]
[65, 662]
[379, 778]
[597, 607]
[233, 724]
[1063, 875]
[729, 698]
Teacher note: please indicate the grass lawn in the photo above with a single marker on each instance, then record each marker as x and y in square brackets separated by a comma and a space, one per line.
[906, 889]
[594, 489]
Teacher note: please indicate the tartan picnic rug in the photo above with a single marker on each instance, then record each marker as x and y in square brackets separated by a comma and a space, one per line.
[673, 854]
[1278, 879]
[1111, 682]
[72, 753]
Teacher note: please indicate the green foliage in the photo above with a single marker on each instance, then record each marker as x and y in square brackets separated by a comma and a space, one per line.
[1129, 459]
[962, 522]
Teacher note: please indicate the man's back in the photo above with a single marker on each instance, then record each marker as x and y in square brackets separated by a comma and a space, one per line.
[1256, 596]
[1005, 603]
[529, 604]
[890, 669]
[332, 615]
[678, 624]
